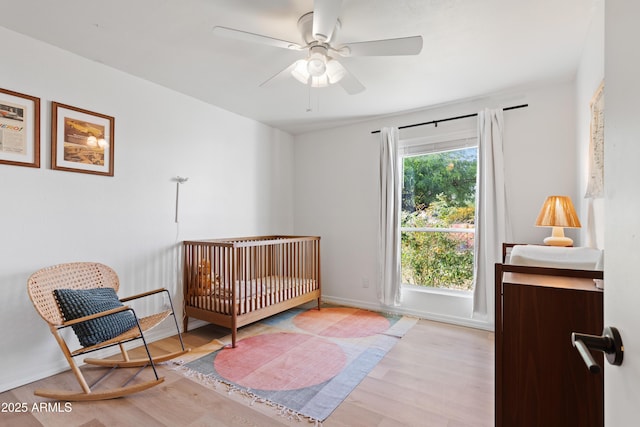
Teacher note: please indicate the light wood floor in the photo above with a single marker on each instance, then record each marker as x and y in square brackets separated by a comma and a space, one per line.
[438, 375]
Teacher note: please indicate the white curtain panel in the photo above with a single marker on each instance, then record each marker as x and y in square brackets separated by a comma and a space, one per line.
[492, 221]
[388, 287]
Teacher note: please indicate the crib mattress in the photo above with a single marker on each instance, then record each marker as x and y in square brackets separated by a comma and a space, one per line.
[260, 286]
[252, 294]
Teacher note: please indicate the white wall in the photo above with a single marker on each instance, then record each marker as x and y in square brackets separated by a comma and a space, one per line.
[336, 190]
[240, 183]
[589, 76]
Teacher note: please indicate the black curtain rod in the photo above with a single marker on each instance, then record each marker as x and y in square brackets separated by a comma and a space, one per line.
[435, 122]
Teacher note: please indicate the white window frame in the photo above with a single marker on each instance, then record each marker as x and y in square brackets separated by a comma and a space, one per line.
[430, 145]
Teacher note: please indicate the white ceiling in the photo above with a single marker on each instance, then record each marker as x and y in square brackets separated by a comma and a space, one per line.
[471, 48]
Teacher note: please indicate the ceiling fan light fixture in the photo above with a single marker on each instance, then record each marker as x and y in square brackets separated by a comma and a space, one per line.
[321, 68]
[319, 81]
[300, 71]
[317, 64]
[335, 71]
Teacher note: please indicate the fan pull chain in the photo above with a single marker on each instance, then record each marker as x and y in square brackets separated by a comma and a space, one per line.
[309, 101]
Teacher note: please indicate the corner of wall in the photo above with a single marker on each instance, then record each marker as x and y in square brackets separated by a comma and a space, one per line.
[589, 76]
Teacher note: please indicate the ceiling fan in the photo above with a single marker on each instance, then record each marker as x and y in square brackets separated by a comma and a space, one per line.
[321, 67]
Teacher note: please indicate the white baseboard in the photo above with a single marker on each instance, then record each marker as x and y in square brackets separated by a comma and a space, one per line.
[195, 323]
[437, 317]
[60, 364]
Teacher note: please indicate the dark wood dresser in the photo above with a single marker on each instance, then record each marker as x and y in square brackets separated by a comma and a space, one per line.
[541, 380]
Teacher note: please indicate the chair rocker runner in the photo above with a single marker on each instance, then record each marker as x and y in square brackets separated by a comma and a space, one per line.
[82, 295]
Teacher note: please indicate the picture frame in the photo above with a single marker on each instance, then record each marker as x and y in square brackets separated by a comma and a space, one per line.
[81, 140]
[19, 129]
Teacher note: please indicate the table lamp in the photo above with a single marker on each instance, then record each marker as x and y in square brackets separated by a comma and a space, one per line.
[558, 212]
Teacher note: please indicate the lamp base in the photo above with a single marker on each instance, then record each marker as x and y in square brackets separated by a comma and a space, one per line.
[558, 238]
[558, 241]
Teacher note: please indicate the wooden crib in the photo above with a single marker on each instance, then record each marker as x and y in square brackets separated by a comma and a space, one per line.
[234, 282]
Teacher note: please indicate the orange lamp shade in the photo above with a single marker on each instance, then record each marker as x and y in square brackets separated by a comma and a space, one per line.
[558, 212]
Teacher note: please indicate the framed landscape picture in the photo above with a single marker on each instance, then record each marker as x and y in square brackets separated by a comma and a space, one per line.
[81, 140]
[19, 129]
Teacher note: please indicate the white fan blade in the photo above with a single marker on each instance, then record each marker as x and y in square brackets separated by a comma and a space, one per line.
[325, 17]
[388, 47]
[254, 38]
[350, 83]
[284, 74]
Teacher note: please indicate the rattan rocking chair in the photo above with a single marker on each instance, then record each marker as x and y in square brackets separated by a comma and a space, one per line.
[46, 287]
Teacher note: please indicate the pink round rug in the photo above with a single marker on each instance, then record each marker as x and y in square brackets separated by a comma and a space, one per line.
[280, 361]
[342, 322]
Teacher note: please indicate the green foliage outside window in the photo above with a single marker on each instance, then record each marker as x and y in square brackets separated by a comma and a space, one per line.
[451, 174]
[439, 192]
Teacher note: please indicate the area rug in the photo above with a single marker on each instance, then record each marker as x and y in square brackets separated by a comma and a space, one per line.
[302, 362]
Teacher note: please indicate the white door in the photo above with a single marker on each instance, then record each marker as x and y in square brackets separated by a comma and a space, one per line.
[622, 207]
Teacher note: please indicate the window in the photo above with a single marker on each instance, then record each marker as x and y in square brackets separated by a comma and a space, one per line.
[438, 215]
